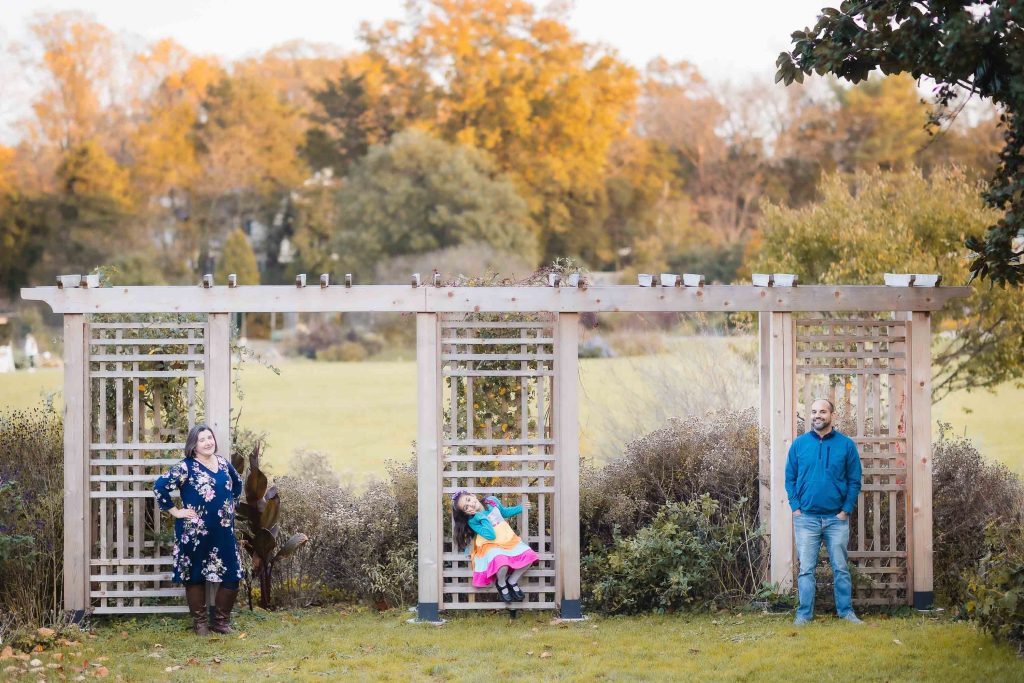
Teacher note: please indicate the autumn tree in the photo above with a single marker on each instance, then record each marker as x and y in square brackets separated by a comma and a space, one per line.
[514, 82]
[967, 48]
[882, 124]
[418, 193]
[248, 148]
[903, 222]
[78, 59]
[87, 224]
[348, 118]
[720, 156]
[238, 257]
[317, 216]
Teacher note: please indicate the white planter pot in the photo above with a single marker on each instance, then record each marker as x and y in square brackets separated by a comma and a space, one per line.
[693, 280]
[899, 279]
[645, 279]
[572, 279]
[927, 280]
[67, 281]
[668, 279]
[761, 279]
[553, 279]
[415, 279]
[784, 279]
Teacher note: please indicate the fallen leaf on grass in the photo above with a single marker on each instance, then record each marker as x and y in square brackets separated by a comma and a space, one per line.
[545, 655]
[35, 662]
[38, 648]
[58, 656]
[102, 672]
[897, 641]
[124, 634]
[172, 668]
[192, 661]
[694, 650]
[529, 653]
[157, 646]
[555, 622]
[7, 653]
[102, 659]
[216, 660]
[243, 635]
[155, 655]
[45, 633]
[273, 647]
[10, 669]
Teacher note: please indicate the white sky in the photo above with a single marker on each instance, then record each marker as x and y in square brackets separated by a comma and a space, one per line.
[733, 41]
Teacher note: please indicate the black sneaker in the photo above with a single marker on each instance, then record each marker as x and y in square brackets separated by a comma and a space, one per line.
[517, 592]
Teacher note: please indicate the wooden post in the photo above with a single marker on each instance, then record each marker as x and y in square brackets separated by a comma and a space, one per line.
[919, 470]
[764, 419]
[428, 465]
[567, 450]
[218, 380]
[77, 508]
[782, 372]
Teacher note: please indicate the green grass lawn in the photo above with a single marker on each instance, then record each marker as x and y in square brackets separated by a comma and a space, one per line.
[362, 414]
[348, 644]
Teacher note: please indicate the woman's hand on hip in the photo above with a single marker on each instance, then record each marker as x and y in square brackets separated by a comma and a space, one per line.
[184, 513]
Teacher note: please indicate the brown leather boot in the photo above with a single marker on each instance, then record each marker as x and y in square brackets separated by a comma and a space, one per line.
[195, 596]
[222, 605]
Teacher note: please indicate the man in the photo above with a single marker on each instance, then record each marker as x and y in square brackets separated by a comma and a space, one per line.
[822, 480]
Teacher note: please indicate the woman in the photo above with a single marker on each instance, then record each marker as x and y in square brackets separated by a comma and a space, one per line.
[204, 529]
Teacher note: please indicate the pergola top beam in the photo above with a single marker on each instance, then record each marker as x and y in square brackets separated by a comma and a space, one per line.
[407, 299]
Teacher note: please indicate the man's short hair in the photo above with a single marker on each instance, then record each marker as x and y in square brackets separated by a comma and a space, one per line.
[831, 406]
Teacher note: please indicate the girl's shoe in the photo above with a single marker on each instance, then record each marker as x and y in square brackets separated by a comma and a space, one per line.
[517, 592]
[505, 592]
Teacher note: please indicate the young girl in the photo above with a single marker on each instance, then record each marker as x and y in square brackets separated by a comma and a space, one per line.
[498, 554]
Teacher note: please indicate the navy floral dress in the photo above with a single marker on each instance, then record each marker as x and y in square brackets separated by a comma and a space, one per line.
[205, 548]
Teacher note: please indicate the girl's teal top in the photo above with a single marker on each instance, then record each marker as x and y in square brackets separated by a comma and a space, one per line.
[483, 526]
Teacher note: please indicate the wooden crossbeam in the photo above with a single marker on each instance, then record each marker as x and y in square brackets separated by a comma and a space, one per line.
[403, 299]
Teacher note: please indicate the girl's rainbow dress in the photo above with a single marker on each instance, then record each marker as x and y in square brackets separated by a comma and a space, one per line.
[506, 550]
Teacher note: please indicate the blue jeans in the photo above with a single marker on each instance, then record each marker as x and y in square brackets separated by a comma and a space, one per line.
[810, 530]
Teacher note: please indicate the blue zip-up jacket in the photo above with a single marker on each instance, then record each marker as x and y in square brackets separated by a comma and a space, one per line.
[823, 473]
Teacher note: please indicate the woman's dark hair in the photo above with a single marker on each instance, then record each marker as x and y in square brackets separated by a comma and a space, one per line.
[461, 533]
[193, 439]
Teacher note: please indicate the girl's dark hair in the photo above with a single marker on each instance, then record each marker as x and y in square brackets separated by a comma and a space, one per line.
[193, 439]
[461, 533]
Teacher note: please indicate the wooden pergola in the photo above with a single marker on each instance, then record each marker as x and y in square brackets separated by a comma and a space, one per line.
[869, 344]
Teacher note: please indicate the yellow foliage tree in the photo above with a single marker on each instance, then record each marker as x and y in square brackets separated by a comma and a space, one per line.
[238, 258]
[883, 121]
[518, 84]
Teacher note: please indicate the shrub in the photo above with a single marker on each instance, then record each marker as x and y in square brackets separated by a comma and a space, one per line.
[320, 334]
[673, 523]
[995, 591]
[31, 517]
[362, 545]
[714, 454]
[346, 352]
[685, 558]
[968, 494]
